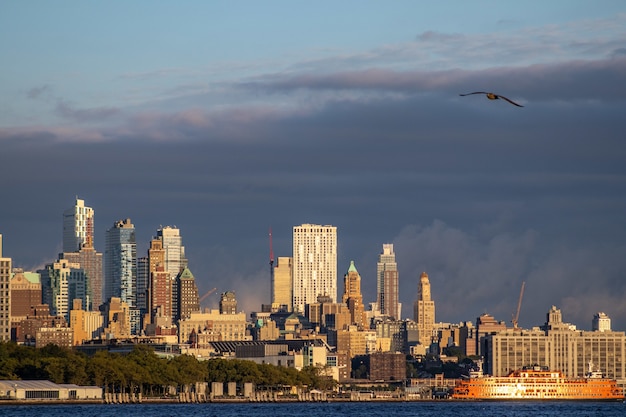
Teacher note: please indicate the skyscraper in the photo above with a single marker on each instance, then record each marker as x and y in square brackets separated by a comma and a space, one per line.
[228, 303]
[90, 262]
[424, 310]
[160, 284]
[314, 264]
[25, 293]
[387, 283]
[143, 283]
[5, 297]
[174, 256]
[282, 285]
[77, 227]
[353, 297]
[188, 299]
[62, 282]
[120, 267]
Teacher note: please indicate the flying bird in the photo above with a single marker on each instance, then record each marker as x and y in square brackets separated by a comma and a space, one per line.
[492, 96]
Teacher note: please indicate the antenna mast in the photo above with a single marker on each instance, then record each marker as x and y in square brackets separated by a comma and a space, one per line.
[271, 250]
[271, 268]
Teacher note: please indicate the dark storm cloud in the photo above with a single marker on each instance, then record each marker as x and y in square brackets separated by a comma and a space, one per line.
[487, 273]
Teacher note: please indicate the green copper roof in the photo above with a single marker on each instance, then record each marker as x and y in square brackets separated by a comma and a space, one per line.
[186, 274]
[352, 267]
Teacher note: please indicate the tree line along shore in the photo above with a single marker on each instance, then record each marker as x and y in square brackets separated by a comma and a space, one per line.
[143, 372]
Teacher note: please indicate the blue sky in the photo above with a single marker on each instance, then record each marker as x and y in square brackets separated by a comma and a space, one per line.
[134, 55]
[227, 118]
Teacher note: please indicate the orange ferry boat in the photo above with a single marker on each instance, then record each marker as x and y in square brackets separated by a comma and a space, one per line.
[538, 383]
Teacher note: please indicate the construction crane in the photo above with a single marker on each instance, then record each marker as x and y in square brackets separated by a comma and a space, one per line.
[515, 318]
[211, 291]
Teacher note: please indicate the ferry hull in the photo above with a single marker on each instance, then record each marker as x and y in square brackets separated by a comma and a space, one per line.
[538, 385]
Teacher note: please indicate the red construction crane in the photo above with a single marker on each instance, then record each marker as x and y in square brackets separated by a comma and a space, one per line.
[515, 318]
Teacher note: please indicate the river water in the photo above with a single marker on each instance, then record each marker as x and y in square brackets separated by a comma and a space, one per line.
[308, 409]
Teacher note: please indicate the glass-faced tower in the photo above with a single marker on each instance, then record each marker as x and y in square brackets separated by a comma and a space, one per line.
[120, 267]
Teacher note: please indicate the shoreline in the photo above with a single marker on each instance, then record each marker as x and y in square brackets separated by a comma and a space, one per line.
[166, 401]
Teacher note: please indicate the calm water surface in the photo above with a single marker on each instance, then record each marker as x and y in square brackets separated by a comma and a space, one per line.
[422, 409]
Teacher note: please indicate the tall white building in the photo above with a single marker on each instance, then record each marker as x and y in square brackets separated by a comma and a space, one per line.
[78, 227]
[120, 263]
[175, 260]
[387, 283]
[5, 298]
[314, 264]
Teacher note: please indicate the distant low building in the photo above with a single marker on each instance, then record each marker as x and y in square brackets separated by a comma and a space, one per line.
[59, 336]
[559, 346]
[387, 366]
[221, 327]
[26, 330]
[46, 391]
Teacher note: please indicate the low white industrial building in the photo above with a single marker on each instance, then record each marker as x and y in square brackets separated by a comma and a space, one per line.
[46, 391]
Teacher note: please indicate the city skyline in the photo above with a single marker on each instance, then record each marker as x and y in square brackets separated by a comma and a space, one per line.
[423, 288]
[227, 119]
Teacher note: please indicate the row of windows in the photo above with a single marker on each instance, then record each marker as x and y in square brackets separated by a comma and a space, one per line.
[41, 394]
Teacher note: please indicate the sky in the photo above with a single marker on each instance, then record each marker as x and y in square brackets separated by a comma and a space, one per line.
[228, 119]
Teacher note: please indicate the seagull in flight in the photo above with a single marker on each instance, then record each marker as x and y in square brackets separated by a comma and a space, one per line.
[492, 96]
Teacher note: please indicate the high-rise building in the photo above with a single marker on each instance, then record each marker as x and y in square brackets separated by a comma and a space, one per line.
[62, 282]
[402, 334]
[117, 319]
[424, 311]
[78, 239]
[485, 325]
[90, 262]
[601, 322]
[78, 227]
[85, 325]
[143, 283]
[25, 293]
[120, 268]
[188, 299]
[174, 255]
[5, 296]
[314, 264]
[228, 303]
[353, 297]
[160, 284]
[387, 284]
[282, 285]
[166, 262]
